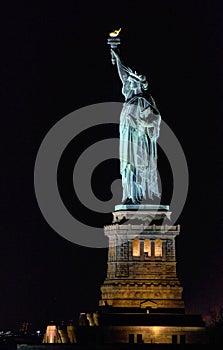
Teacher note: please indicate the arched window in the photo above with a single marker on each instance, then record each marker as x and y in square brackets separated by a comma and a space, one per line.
[136, 247]
[147, 247]
[158, 247]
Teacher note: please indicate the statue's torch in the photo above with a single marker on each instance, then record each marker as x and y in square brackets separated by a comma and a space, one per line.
[114, 41]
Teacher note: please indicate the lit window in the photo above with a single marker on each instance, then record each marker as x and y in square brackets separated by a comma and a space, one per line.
[158, 247]
[147, 247]
[136, 247]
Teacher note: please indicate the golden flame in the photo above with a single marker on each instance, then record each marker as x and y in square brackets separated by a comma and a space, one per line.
[115, 33]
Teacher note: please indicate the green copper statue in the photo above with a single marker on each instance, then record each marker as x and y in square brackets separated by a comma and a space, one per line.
[139, 130]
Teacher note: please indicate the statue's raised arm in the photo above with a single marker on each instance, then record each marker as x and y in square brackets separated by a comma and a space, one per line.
[133, 84]
[122, 70]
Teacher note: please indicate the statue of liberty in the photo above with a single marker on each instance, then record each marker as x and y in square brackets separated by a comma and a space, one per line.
[139, 130]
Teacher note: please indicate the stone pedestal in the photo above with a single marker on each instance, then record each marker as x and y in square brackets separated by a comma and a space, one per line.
[141, 296]
[141, 272]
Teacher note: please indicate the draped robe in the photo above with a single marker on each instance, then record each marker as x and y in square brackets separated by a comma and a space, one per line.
[139, 129]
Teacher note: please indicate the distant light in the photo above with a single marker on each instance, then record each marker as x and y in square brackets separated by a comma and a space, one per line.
[156, 329]
[38, 332]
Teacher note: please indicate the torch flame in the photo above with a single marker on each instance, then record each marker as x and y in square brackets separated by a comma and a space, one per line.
[115, 33]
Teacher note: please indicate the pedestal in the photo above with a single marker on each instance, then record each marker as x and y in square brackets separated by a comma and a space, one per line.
[141, 272]
[141, 296]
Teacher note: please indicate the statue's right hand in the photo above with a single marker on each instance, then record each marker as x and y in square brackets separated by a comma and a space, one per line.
[114, 53]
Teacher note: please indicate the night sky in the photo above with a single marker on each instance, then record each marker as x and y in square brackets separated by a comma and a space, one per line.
[54, 60]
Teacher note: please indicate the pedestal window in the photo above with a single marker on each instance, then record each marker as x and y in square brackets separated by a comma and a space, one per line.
[147, 247]
[158, 247]
[136, 247]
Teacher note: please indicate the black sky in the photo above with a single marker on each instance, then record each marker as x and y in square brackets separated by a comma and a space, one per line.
[54, 60]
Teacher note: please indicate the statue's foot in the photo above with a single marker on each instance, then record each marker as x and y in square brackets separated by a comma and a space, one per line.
[128, 201]
[137, 202]
[131, 202]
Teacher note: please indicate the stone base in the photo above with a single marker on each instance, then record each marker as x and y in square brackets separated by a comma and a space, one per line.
[149, 207]
[142, 215]
[144, 295]
[161, 329]
[147, 328]
[141, 212]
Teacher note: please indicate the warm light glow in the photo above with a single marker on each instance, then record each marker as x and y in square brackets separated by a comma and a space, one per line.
[147, 247]
[158, 247]
[156, 329]
[115, 33]
[51, 334]
[136, 247]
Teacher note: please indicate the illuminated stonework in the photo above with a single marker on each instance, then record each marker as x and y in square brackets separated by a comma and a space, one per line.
[141, 269]
[59, 334]
[156, 334]
[141, 297]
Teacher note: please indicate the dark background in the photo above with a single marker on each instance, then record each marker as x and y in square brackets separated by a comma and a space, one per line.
[54, 60]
